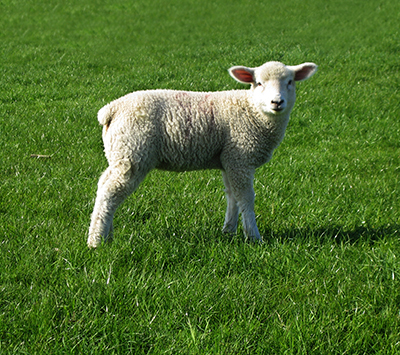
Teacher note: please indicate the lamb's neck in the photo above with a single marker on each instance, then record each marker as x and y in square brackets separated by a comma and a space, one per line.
[272, 128]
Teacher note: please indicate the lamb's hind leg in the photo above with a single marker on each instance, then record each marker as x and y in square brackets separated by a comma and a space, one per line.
[115, 184]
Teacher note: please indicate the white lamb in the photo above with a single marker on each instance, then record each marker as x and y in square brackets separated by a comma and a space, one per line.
[234, 131]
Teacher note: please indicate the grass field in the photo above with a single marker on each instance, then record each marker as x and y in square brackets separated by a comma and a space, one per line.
[327, 278]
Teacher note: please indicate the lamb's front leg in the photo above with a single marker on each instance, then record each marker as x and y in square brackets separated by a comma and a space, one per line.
[232, 208]
[246, 205]
[241, 183]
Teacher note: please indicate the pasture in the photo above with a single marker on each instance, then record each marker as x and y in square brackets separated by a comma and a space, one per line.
[326, 280]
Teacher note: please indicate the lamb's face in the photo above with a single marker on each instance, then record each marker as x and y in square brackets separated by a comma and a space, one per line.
[273, 84]
[274, 88]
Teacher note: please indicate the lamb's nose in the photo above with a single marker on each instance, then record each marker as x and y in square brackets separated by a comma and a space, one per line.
[277, 105]
[277, 102]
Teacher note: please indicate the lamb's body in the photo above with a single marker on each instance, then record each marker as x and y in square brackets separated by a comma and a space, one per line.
[180, 131]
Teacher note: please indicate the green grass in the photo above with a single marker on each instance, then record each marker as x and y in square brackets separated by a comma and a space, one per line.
[327, 278]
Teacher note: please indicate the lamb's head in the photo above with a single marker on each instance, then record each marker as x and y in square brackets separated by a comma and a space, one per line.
[273, 84]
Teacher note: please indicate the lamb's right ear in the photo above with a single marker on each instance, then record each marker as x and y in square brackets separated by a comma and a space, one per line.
[242, 74]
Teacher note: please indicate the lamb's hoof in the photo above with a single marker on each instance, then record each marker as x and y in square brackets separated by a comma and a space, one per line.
[229, 230]
[93, 242]
[255, 240]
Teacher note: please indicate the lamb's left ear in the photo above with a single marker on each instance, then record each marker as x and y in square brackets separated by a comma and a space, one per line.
[304, 71]
[243, 75]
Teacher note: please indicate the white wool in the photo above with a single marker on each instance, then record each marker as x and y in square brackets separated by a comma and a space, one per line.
[234, 131]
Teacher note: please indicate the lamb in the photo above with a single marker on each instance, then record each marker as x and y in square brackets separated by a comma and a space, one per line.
[233, 131]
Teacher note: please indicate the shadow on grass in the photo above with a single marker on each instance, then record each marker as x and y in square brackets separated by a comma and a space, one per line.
[208, 234]
[338, 234]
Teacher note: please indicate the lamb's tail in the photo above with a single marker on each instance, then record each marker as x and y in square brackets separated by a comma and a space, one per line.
[105, 115]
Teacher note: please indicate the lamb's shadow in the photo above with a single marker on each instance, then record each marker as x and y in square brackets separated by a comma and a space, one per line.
[337, 234]
[332, 234]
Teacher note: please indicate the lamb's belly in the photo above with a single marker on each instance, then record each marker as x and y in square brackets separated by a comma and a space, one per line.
[189, 156]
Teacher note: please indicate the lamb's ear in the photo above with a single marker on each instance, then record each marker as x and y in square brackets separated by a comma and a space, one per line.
[242, 74]
[304, 71]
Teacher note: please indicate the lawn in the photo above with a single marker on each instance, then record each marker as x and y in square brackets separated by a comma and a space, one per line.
[326, 280]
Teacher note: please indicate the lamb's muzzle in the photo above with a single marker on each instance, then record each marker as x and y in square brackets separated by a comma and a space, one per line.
[278, 105]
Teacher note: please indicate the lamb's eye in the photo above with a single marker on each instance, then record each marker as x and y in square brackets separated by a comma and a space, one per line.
[290, 82]
[259, 84]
